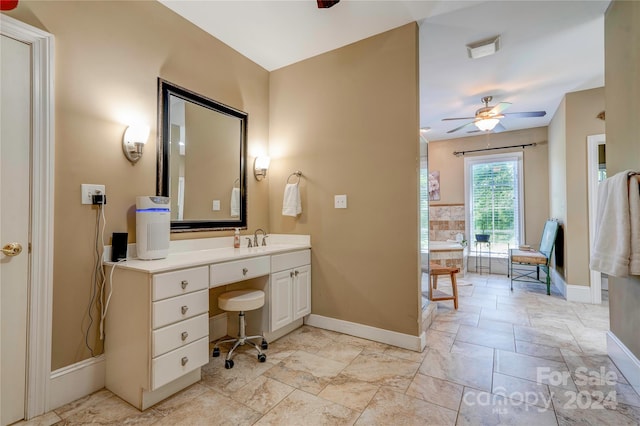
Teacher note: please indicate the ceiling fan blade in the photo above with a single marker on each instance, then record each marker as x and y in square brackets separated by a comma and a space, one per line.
[324, 4]
[496, 110]
[526, 114]
[461, 127]
[459, 118]
[499, 128]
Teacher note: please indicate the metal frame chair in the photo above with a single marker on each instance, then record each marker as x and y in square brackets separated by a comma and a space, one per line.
[523, 264]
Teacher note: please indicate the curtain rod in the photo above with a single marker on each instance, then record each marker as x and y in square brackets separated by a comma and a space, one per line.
[459, 153]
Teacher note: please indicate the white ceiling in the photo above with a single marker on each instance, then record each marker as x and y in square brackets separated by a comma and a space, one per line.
[548, 48]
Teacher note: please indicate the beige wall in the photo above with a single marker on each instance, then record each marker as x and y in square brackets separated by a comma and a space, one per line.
[581, 121]
[348, 119]
[108, 58]
[536, 195]
[575, 120]
[622, 93]
[558, 172]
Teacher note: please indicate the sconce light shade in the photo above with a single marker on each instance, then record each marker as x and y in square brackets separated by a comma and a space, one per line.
[487, 124]
[260, 167]
[134, 139]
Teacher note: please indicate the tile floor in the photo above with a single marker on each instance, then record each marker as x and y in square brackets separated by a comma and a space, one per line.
[502, 358]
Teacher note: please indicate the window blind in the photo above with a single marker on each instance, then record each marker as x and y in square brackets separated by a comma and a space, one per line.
[424, 205]
[494, 202]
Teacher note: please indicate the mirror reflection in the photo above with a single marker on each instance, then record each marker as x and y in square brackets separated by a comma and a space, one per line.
[201, 166]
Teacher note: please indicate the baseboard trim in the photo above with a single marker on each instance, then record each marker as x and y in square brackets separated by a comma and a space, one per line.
[572, 293]
[393, 338]
[217, 326]
[558, 281]
[625, 360]
[76, 381]
[579, 293]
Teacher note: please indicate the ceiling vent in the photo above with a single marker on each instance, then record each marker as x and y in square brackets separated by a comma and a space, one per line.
[483, 48]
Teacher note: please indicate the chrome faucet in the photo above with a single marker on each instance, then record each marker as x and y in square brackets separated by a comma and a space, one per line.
[255, 237]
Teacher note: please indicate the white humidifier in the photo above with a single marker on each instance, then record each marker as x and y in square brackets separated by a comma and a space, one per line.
[153, 220]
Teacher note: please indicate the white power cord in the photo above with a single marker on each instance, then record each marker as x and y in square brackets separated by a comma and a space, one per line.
[105, 307]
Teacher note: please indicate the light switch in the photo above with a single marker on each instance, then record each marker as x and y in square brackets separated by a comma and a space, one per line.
[216, 205]
[340, 201]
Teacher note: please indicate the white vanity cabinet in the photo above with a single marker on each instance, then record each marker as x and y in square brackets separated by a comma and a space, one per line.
[157, 333]
[290, 288]
[157, 325]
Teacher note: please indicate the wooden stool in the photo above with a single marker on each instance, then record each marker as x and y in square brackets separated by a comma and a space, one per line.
[434, 293]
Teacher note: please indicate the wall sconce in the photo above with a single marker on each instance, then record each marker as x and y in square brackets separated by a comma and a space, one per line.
[134, 139]
[260, 167]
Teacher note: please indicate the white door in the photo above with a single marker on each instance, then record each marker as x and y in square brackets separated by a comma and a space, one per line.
[15, 142]
[597, 172]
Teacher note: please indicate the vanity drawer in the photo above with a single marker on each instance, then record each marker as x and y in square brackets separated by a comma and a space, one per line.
[179, 334]
[281, 262]
[239, 270]
[176, 363]
[179, 308]
[180, 282]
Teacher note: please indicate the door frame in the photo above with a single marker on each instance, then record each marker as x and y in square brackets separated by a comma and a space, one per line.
[40, 302]
[593, 142]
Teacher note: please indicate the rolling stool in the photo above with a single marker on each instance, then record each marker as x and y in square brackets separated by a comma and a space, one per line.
[241, 301]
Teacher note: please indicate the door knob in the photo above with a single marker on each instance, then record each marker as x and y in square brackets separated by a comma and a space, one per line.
[12, 249]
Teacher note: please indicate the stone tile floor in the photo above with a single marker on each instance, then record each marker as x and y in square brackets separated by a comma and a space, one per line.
[503, 357]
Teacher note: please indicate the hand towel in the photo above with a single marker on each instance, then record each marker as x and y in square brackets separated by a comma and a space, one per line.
[235, 202]
[634, 217]
[612, 247]
[291, 205]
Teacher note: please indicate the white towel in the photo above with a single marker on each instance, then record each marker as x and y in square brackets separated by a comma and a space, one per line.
[235, 202]
[612, 248]
[291, 205]
[634, 217]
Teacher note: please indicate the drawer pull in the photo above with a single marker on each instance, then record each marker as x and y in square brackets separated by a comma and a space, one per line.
[244, 271]
[184, 284]
[184, 309]
[291, 274]
[184, 361]
[184, 335]
[296, 273]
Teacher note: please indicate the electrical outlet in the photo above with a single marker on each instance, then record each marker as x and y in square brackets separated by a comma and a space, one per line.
[340, 201]
[87, 190]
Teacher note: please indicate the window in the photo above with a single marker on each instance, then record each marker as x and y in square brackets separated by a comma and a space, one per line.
[424, 205]
[494, 194]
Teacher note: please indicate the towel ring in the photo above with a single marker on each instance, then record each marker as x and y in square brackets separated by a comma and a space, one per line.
[236, 182]
[297, 173]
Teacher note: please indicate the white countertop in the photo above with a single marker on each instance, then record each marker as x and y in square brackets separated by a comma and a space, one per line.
[196, 252]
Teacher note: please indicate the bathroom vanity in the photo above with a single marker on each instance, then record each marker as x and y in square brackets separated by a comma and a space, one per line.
[157, 325]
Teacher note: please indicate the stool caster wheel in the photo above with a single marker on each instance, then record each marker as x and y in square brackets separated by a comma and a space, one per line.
[262, 357]
[228, 363]
[264, 344]
[216, 352]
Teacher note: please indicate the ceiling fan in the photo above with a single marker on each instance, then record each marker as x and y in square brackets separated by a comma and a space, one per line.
[325, 4]
[488, 117]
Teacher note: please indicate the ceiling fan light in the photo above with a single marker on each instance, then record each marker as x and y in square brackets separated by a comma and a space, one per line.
[487, 124]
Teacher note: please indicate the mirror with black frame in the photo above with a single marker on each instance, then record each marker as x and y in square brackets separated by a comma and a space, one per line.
[201, 160]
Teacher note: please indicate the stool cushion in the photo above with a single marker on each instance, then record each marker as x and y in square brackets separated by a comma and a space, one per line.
[241, 300]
